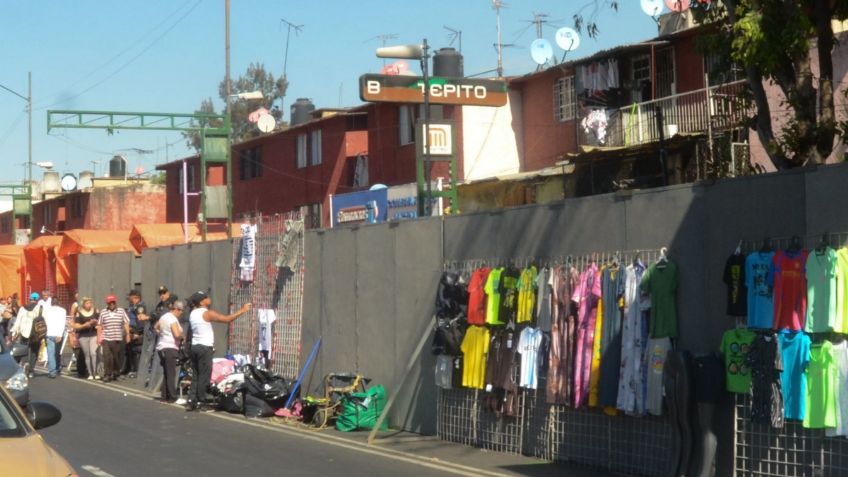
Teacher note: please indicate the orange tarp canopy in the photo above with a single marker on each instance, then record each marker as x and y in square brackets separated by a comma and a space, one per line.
[145, 236]
[40, 254]
[79, 241]
[12, 274]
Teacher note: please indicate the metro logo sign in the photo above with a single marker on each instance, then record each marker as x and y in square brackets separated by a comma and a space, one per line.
[441, 139]
[410, 89]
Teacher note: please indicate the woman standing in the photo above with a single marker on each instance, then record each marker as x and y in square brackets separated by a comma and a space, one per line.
[170, 332]
[85, 325]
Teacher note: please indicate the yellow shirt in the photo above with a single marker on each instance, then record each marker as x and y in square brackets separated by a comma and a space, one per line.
[840, 322]
[526, 295]
[474, 347]
[595, 376]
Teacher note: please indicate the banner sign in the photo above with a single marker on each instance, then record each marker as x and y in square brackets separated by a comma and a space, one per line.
[410, 89]
[367, 206]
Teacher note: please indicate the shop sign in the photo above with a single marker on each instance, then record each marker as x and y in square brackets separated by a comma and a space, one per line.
[410, 89]
[368, 206]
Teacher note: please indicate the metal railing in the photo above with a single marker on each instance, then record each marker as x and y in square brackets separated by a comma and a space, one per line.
[717, 107]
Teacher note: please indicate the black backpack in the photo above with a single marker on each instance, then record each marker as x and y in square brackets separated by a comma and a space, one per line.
[39, 327]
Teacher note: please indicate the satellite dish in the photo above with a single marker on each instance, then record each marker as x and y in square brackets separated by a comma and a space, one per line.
[652, 8]
[378, 187]
[266, 123]
[567, 38]
[541, 51]
[677, 5]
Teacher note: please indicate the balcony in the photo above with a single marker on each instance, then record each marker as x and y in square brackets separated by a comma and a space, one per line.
[695, 112]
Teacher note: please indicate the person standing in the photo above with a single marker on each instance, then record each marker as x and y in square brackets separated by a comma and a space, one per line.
[115, 326]
[139, 324]
[202, 342]
[170, 333]
[85, 325]
[23, 327]
[55, 317]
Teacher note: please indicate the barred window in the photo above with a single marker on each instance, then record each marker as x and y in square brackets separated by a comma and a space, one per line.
[564, 107]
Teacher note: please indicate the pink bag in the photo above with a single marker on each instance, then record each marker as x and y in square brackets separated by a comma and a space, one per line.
[221, 368]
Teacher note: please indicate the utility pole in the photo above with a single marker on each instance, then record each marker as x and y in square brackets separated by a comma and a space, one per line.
[539, 21]
[497, 5]
[29, 129]
[297, 28]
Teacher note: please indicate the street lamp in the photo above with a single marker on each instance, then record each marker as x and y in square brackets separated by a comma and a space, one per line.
[417, 52]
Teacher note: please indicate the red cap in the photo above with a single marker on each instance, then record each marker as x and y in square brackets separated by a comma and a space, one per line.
[111, 298]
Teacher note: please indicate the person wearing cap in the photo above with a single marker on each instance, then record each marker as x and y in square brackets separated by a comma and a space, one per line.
[202, 342]
[170, 333]
[166, 300]
[139, 320]
[22, 328]
[115, 326]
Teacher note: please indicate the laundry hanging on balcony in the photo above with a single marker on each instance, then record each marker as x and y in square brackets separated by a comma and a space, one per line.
[598, 76]
[596, 123]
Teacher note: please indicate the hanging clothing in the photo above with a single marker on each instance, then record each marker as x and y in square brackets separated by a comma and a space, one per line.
[595, 372]
[759, 279]
[543, 299]
[266, 317]
[612, 291]
[561, 360]
[631, 382]
[612, 79]
[660, 282]
[477, 296]
[840, 358]
[822, 376]
[821, 291]
[527, 294]
[735, 345]
[841, 319]
[765, 362]
[247, 262]
[509, 294]
[586, 296]
[737, 291]
[288, 251]
[451, 296]
[790, 289]
[657, 351]
[493, 297]
[795, 351]
[500, 361]
[444, 371]
[528, 346]
[474, 347]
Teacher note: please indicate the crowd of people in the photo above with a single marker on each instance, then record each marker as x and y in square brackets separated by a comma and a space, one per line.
[109, 342]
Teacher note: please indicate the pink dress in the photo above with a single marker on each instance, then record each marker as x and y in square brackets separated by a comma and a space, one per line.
[586, 296]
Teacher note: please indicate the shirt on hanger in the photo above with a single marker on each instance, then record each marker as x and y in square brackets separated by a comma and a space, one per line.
[759, 280]
[526, 294]
[821, 291]
[444, 371]
[841, 322]
[528, 345]
[764, 360]
[493, 297]
[543, 299]
[474, 347]
[509, 294]
[737, 292]
[266, 317]
[790, 289]
[840, 357]
[477, 296]
[822, 375]
[660, 282]
[658, 349]
[795, 350]
[735, 345]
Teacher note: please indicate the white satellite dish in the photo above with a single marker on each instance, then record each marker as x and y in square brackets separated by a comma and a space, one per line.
[567, 38]
[652, 7]
[266, 123]
[541, 51]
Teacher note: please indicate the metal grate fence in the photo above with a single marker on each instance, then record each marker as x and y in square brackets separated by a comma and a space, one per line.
[619, 444]
[274, 287]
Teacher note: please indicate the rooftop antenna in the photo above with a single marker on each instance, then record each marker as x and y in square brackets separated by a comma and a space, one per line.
[539, 21]
[497, 5]
[383, 38]
[297, 29]
[454, 36]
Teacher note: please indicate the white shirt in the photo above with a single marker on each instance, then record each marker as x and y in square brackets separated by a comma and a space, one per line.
[55, 317]
[267, 317]
[528, 345]
[201, 330]
[166, 336]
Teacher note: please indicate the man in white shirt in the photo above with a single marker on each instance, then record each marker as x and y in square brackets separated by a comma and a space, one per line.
[56, 318]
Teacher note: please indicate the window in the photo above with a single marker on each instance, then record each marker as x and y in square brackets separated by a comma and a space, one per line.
[641, 69]
[250, 163]
[301, 151]
[76, 207]
[406, 124]
[311, 216]
[315, 148]
[48, 216]
[6, 224]
[564, 108]
[721, 69]
[192, 178]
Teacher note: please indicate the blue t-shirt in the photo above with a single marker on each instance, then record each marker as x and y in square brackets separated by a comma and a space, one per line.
[759, 278]
[795, 351]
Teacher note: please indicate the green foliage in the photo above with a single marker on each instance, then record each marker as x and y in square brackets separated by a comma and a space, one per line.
[158, 178]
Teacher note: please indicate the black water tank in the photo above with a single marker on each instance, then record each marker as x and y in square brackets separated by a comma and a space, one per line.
[447, 62]
[117, 166]
[301, 111]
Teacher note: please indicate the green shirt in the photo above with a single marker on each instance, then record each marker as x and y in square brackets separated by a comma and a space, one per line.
[821, 291]
[493, 304]
[660, 282]
[735, 345]
[822, 377]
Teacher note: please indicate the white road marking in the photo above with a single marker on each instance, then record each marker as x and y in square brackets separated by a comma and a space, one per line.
[96, 471]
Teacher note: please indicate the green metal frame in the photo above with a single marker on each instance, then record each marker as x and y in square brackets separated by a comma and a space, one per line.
[209, 126]
[18, 193]
[420, 175]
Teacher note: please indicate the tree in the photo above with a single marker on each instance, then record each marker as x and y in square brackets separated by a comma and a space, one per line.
[772, 39]
[256, 78]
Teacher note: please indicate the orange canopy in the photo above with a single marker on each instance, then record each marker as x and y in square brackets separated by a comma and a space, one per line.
[40, 256]
[79, 241]
[12, 270]
[145, 236]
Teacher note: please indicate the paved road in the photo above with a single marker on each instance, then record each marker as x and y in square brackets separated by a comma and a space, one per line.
[127, 436]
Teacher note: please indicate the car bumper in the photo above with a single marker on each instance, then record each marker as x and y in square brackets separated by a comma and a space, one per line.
[21, 397]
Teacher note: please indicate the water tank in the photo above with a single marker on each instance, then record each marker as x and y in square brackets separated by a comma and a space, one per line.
[86, 180]
[447, 63]
[118, 166]
[50, 182]
[301, 111]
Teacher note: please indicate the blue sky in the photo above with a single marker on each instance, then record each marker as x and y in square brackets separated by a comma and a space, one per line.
[167, 56]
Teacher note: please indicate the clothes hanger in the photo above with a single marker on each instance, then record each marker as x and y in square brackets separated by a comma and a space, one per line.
[738, 250]
[823, 244]
[663, 260]
[767, 246]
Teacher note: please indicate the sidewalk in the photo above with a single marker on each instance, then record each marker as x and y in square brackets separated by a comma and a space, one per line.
[456, 458]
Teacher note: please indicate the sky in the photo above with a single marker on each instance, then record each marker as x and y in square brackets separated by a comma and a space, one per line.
[167, 56]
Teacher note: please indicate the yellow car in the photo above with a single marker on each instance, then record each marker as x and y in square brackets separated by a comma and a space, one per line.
[22, 450]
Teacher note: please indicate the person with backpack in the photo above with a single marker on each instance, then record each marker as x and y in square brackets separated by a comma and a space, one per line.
[203, 340]
[30, 328]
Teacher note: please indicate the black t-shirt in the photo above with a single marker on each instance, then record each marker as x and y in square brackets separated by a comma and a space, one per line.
[737, 292]
[509, 294]
[164, 306]
[80, 318]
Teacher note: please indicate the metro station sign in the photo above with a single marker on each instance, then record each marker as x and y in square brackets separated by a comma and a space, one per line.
[410, 89]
